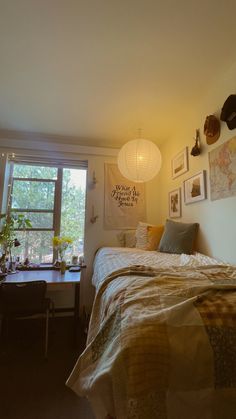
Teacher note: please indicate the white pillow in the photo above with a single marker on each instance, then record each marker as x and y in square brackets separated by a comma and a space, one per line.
[142, 235]
[130, 239]
[126, 238]
[121, 239]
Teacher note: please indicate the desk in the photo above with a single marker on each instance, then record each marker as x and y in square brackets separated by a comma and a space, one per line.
[54, 280]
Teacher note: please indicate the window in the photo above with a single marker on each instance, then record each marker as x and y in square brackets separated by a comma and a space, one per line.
[53, 198]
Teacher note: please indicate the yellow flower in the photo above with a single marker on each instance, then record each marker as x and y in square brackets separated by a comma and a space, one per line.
[61, 241]
[56, 241]
[66, 240]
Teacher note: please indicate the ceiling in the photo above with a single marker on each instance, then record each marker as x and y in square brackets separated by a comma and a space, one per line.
[95, 71]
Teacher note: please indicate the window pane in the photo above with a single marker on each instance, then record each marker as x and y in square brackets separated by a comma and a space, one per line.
[35, 245]
[33, 195]
[38, 172]
[39, 219]
[73, 209]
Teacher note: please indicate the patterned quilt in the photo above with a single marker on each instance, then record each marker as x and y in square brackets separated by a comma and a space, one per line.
[161, 345]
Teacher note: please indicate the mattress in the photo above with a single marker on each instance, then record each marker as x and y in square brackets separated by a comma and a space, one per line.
[110, 259]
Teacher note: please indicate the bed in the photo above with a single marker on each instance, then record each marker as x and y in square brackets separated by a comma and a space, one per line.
[162, 337]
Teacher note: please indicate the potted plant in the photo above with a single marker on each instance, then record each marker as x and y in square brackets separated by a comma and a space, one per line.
[8, 239]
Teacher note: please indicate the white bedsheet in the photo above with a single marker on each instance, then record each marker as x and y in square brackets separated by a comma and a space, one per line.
[109, 259]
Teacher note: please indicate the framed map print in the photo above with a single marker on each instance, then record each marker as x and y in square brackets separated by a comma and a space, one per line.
[222, 163]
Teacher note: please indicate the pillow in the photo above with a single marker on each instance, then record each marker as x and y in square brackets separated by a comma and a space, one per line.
[121, 238]
[130, 239]
[126, 238]
[141, 235]
[178, 237]
[154, 234]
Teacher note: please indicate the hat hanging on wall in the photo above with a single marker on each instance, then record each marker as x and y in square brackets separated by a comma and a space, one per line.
[211, 129]
[228, 113]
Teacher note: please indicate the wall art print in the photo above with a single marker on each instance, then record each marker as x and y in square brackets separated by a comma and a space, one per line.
[195, 188]
[222, 163]
[179, 163]
[175, 203]
[125, 202]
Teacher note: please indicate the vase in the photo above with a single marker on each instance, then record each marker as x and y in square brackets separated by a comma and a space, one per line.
[63, 266]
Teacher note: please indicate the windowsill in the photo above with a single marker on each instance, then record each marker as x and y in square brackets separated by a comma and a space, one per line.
[45, 267]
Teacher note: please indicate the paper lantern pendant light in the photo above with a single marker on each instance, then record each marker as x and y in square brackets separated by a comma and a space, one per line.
[139, 160]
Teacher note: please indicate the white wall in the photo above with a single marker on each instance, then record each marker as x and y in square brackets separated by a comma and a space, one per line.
[217, 219]
[95, 234]
[4, 172]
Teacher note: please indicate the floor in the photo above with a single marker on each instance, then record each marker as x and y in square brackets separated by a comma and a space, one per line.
[31, 387]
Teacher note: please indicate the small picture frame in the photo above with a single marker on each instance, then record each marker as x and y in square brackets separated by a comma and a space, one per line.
[175, 203]
[195, 188]
[179, 163]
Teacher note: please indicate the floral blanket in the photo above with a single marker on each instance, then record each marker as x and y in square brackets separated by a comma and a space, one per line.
[161, 345]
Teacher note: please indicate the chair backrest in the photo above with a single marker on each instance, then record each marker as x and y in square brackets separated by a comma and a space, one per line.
[22, 297]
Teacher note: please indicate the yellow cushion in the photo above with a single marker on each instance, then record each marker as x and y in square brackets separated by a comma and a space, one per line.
[154, 234]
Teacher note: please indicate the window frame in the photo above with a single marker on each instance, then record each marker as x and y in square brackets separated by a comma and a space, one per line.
[56, 211]
[28, 210]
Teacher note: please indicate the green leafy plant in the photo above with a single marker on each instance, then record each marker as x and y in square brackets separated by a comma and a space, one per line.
[9, 222]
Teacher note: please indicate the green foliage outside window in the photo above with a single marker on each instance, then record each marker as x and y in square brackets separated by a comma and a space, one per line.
[37, 245]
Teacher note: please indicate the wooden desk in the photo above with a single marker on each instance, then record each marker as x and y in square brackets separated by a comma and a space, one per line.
[55, 280]
[51, 276]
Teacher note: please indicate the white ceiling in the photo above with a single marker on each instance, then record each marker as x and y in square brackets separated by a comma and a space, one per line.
[97, 70]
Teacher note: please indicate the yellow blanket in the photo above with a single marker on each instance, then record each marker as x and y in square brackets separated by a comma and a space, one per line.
[161, 344]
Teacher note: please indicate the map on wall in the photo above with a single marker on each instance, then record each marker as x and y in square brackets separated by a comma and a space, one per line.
[222, 161]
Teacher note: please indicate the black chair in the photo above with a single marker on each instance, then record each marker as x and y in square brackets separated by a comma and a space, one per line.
[25, 299]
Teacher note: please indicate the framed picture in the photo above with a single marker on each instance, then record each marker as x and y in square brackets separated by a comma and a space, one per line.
[175, 203]
[195, 188]
[179, 163]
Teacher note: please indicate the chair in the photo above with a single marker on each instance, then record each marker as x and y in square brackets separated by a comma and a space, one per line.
[25, 299]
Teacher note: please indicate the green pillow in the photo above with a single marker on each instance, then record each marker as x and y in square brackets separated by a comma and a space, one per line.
[178, 237]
